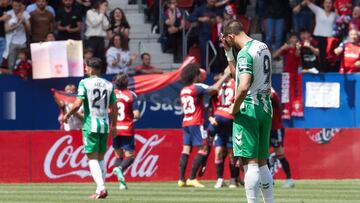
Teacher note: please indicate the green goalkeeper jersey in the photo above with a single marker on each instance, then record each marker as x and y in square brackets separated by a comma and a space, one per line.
[97, 94]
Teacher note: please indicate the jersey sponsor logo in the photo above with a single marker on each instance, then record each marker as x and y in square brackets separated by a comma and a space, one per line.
[63, 155]
[324, 135]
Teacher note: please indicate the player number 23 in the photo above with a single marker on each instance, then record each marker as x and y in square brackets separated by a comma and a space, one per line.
[188, 104]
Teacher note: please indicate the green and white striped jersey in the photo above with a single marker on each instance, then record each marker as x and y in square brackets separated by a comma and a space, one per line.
[255, 59]
[97, 94]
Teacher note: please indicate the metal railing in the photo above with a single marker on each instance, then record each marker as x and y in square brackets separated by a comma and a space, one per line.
[185, 35]
[208, 64]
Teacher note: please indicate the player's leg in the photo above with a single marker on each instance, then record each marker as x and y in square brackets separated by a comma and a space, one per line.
[118, 152]
[279, 151]
[266, 179]
[127, 146]
[103, 140]
[219, 164]
[91, 143]
[246, 145]
[184, 156]
[198, 138]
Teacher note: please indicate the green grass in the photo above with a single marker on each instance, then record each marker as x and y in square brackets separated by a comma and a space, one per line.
[305, 191]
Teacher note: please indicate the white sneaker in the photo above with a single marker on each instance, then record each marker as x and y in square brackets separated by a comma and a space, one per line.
[123, 187]
[233, 183]
[313, 70]
[219, 183]
[289, 183]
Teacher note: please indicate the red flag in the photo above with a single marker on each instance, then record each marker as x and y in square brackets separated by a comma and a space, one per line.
[63, 96]
[152, 82]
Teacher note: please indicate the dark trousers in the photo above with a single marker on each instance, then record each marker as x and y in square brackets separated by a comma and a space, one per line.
[175, 40]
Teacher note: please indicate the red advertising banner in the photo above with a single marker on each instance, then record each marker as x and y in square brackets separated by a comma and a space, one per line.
[57, 156]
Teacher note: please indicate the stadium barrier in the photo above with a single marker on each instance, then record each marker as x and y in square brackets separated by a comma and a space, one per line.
[33, 107]
[57, 156]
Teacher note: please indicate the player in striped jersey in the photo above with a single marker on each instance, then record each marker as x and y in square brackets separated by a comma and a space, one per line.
[124, 143]
[252, 108]
[192, 101]
[96, 95]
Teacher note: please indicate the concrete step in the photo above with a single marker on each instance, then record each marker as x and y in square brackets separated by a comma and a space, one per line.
[145, 47]
[140, 28]
[135, 18]
[144, 37]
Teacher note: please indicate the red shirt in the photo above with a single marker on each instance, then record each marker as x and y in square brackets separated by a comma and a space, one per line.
[142, 67]
[343, 7]
[226, 97]
[276, 105]
[23, 68]
[291, 60]
[126, 103]
[350, 56]
[192, 102]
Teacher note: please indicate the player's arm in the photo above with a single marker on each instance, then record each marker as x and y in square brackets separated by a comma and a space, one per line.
[229, 55]
[241, 91]
[75, 108]
[135, 106]
[213, 89]
[113, 113]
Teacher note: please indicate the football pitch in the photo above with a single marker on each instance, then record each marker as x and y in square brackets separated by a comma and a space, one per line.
[305, 191]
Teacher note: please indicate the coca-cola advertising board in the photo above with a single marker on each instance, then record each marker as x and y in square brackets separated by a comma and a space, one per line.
[58, 156]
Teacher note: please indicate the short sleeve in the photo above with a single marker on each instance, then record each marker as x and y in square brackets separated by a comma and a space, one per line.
[112, 96]
[135, 105]
[81, 90]
[244, 63]
[26, 15]
[201, 88]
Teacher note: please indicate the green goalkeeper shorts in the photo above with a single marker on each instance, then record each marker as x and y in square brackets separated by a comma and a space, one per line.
[94, 142]
[251, 132]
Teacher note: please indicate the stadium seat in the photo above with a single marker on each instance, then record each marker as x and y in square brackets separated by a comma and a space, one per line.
[185, 4]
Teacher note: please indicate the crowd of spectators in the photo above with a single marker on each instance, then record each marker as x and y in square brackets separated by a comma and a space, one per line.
[316, 35]
[301, 33]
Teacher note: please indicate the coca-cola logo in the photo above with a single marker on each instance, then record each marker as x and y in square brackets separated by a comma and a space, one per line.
[274, 163]
[63, 159]
[324, 135]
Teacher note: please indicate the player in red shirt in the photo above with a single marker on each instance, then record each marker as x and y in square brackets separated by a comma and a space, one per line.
[192, 101]
[277, 138]
[350, 51]
[124, 142]
[290, 53]
[220, 128]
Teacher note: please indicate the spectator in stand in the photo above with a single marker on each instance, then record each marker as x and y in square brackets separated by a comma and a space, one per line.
[350, 53]
[4, 7]
[42, 22]
[118, 56]
[146, 67]
[275, 14]
[84, 6]
[69, 21]
[290, 54]
[118, 24]
[174, 24]
[75, 121]
[343, 7]
[50, 37]
[309, 53]
[205, 15]
[88, 54]
[32, 7]
[302, 16]
[16, 29]
[23, 67]
[355, 21]
[324, 19]
[97, 23]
